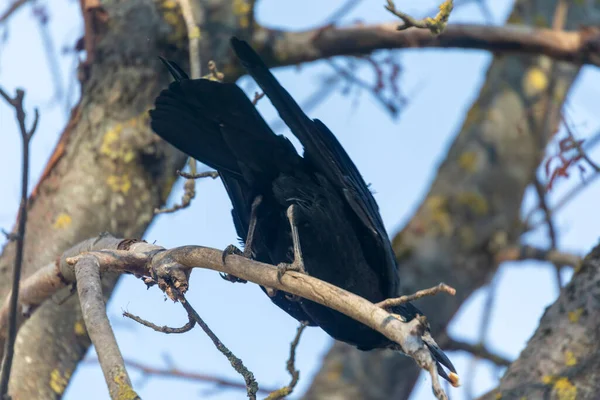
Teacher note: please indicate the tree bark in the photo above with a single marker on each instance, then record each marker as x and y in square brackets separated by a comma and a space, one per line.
[472, 208]
[561, 360]
[106, 164]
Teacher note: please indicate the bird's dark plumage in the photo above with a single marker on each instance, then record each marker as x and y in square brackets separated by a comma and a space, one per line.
[341, 235]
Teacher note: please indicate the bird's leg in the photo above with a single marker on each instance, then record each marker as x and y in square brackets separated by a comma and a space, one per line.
[298, 263]
[247, 253]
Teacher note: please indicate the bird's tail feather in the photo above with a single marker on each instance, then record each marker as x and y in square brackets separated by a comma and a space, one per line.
[218, 125]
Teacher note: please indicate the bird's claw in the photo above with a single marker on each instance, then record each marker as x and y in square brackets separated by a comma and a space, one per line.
[282, 268]
[231, 249]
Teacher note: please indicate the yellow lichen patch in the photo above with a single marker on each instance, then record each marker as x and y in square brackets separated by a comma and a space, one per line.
[171, 13]
[438, 215]
[468, 161]
[113, 144]
[58, 382]
[79, 329]
[195, 33]
[498, 396]
[564, 389]
[476, 202]
[111, 140]
[62, 221]
[575, 315]
[169, 4]
[120, 184]
[561, 386]
[570, 359]
[242, 9]
[535, 81]
[125, 392]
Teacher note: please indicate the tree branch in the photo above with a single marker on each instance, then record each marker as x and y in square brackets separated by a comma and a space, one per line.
[561, 359]
[288, 48]
[89, 288]
[170, 269]
[26, 135]
[435, 25]
[479, 351]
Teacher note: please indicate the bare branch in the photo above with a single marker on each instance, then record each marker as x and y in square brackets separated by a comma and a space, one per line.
[577, 46]
[435, 25]
[206, 174]
[164, 329]
[193, 17]
[478, 351]
[236, 363]
[170, 269]
[294, 373]
[11, 334]
[518, 253]
[175, 372]
[257, 97]
[441, 288]
[541, 193]
[189, 187]
[14, 6]
[89, 288]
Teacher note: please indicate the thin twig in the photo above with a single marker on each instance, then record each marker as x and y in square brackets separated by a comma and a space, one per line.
[340, 12]
[189, 187]
[526, 252]
[588, 145]
[441, 288]
[539, 188]
[26, 135]
[193, 16]
[205, 174]
[174, 372]
[236, 363]
[11, 9]
[578, 145]
[435, 25]
[478, 351]
[291, 367]
[164, 329]
[257, 97]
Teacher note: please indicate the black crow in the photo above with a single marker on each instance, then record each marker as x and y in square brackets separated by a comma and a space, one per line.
[312, 213]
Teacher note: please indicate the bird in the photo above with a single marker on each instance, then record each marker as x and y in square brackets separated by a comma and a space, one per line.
[311, 213]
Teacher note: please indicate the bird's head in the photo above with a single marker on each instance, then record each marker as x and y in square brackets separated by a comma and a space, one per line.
[407, 312]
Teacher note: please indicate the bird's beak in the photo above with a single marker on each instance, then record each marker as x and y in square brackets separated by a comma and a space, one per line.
[441, 360]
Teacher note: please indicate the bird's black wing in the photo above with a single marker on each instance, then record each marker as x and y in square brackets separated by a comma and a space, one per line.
[322, 149]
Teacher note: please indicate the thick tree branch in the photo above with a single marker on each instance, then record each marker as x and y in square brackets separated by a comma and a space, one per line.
[171, 269]
[89, 288]
[561, 359]
[580, 46]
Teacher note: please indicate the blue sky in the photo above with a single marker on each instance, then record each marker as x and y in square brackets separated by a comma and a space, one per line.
[399, 157]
